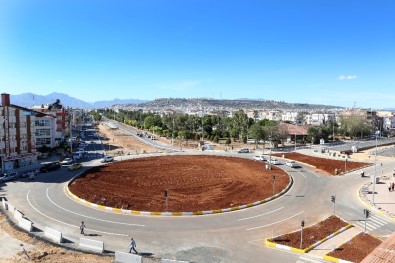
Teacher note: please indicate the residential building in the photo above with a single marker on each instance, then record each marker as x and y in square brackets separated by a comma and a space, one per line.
[17, 135]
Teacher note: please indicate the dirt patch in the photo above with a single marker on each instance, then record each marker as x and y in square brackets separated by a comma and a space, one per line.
[311, 234]
[324, 164]
[119, 141]
[194, 183]
[357, 248]
[39, 251]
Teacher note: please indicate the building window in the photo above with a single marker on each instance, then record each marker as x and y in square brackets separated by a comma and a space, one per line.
[43, 141]
[43, 132]
[43, 123]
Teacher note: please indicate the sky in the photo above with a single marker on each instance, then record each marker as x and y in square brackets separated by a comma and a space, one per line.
[335, 52]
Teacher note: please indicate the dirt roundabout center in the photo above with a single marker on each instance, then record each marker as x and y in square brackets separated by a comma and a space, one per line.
[193, 183]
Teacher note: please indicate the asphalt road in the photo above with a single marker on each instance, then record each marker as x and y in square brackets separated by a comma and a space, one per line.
[230, 237]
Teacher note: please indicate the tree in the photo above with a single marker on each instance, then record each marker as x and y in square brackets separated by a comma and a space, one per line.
[355, 125]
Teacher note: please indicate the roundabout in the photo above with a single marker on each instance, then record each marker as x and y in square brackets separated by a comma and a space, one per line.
[193, 183]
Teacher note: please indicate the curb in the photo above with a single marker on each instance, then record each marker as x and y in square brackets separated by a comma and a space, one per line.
[338, 260]
[192, 213]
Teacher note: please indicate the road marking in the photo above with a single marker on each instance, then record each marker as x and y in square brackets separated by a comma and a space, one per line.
[248, 229]
[114, 234]
[309, 260]
[246, 218]
[107, 221]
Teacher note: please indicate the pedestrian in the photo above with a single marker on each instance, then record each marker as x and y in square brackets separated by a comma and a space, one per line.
[82, 227]
[393, 186]
[389, 187]
[132, 246]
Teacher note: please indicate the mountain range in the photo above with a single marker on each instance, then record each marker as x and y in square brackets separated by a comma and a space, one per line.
[29, 99]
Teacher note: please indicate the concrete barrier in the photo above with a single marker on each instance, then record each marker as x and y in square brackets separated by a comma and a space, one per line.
[164, 260]
[4, 203]
[92, 244]
[25, 224]
[53, 234]
[17, 215]
[11, 208]
[123, 257]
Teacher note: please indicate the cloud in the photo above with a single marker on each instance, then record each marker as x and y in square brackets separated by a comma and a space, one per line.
[180, 86]
[347, 77]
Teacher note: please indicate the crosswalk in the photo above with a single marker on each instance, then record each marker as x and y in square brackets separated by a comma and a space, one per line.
[372, 223]
[304, 259]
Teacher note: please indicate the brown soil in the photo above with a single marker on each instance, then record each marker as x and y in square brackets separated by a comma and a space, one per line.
[119, 140]
[311, 234]
[194, 183]
[357, 248]
[40, 251]
[324, 164]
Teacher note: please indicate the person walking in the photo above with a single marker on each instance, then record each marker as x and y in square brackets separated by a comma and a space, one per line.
[393, 186]
[82, 227]
[389, 187]
[132, 246]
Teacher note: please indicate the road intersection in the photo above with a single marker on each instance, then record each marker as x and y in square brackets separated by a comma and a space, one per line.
[230, 237]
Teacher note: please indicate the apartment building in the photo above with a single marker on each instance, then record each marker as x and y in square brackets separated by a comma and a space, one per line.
[17, 135]
[60, 117]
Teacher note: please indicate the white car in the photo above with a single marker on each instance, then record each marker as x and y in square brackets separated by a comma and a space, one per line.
[106, 159]
[275, 161]
[66, 161]
[259, 158]
[292, 164]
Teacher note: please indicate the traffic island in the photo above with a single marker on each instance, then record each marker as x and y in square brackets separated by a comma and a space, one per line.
[179, 185]
[327, 165]
[354, 250]
[305, 239]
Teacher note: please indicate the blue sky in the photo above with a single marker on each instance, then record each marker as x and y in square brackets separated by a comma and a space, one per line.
[326, 52]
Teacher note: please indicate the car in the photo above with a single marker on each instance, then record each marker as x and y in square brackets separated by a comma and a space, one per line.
[66, 161]
[92, 141]
[8, 177]
[259, 158]
[106, 159]
[50, 167]
[77, 155]
[244, 150]
[75, 166]
[292, 164]
[275, 161]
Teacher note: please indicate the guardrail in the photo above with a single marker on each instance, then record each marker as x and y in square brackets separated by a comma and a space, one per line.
[53, 234]
[123, 257]
[92, 244]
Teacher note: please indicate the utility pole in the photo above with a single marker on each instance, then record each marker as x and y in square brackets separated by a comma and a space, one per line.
[270, 155]
[274, 184]
[374, 176]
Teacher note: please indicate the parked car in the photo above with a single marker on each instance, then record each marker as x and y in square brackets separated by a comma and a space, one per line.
[8, 177]
[106, 159]
[75, 166]
[292, 164]
[259, 158]
[66, 161]
[275, 161]
[244, 150]
[50, 167]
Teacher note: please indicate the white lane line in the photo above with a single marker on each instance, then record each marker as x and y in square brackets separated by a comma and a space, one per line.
[376, 218]
[377, 223]
[246, 218]
[310, 259]
[94, 218]
[114, 234]
[248, 229]
[368, 227]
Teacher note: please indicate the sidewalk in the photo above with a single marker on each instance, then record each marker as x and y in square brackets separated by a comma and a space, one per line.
[334, 242]
[384, 200]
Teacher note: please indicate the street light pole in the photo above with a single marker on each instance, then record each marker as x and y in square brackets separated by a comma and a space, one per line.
[301, 234]
[374, 176]
[270, 155]
[274, 184]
